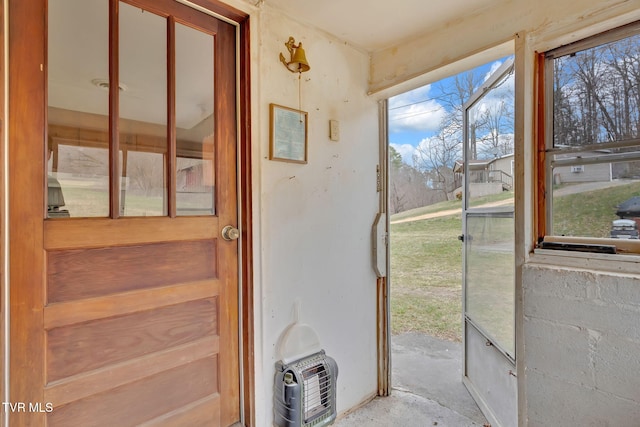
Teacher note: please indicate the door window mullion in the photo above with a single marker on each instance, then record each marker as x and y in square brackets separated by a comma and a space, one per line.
[114, 108]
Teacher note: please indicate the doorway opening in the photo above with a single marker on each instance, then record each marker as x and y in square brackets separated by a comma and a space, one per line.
[451, 156]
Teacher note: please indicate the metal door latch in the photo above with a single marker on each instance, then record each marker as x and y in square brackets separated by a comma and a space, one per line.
[230, 233]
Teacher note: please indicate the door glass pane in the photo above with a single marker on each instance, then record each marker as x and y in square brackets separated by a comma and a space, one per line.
[143, 112]
[78, 107]
[490, 139]
[195, 171]
[490, 280]
[139, 188]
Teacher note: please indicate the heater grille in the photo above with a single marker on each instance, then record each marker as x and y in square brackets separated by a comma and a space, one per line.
[305, 392]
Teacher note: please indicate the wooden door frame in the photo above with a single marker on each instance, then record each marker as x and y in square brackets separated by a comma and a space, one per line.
[247, 362]
[4, 260]
[26, 101]
[26, 105]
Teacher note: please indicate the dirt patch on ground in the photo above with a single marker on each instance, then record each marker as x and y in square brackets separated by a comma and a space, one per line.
[450, 212]
[568, 189]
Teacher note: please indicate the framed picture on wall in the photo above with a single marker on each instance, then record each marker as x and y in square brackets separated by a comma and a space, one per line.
[288, 134]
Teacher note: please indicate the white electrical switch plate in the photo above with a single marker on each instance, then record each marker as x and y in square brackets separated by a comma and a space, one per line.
[334, 130]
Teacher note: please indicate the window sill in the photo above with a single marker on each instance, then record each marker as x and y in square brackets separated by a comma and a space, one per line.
[615, 263]
[622, 246]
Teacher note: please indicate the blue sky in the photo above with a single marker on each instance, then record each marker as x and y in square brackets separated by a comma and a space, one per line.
[415, 115]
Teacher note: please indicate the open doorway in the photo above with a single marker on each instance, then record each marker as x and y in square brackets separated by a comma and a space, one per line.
[451, 146]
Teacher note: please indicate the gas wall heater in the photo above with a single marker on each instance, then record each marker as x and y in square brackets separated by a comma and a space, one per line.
[305, 392]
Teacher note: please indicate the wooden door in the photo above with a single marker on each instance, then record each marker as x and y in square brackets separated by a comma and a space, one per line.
[124, 296]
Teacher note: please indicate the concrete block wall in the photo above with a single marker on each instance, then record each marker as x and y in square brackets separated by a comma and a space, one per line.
[582, 347]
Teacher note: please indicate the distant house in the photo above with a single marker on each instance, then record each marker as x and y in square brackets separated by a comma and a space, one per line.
[600, 172]
[190, 178]
[489, 176]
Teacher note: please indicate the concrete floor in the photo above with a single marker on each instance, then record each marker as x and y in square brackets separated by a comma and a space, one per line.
[427, 389]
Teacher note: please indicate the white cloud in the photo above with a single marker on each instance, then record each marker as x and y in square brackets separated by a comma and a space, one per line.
[494, 68]
[406, 151]
[415, 111]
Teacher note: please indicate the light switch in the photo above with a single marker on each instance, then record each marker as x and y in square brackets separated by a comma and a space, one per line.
[334, 130]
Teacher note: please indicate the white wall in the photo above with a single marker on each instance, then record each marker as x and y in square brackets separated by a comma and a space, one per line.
[422, 58]
[590, 173]
[583, 347]
[314, 220]
[578, 340]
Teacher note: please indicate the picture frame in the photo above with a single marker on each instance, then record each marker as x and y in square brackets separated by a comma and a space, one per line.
[288, 134]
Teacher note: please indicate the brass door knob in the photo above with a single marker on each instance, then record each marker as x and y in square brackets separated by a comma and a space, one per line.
[230, 233]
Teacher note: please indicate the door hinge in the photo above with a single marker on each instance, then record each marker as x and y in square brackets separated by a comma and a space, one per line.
[378, 179]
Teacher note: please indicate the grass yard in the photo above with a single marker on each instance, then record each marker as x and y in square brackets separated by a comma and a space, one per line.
[590, 214]
[426, 263]
[426, 266]
[83, 201]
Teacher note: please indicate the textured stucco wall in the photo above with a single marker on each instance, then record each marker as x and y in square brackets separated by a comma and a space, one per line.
[315, 219]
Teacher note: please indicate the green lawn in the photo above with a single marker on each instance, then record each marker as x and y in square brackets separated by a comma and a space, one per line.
[84, 201]
[590, 214]
[426, 276]
[426, 263]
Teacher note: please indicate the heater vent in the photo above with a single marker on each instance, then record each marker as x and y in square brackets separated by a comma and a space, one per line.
[305, 392]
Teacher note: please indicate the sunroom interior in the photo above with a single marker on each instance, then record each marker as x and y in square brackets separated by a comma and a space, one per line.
[305, 240]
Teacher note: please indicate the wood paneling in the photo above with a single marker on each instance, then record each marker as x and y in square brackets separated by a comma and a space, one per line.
[79, 387]
[87, 273]
[198, 414]
[140, 401]
[96, 232]
[87, 346]
[68, 313]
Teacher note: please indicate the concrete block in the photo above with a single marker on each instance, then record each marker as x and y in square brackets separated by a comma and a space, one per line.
[559, 351]
[617, 367]
[621, 291]
[589, 314]
[544, 281]
[553, 402]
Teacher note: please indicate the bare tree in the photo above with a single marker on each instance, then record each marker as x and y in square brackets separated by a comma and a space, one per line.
[491, 128]
[146, 172]
[437, 155]
[453, 97]
[496, 128]
[597, 94]
[408, 186]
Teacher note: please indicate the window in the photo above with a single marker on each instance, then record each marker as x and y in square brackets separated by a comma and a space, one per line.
[577, 169]
[141, 147]
[592, 119]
